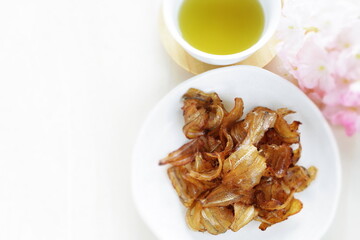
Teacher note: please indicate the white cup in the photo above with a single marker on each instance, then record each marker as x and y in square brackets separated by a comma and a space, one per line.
[272, 12]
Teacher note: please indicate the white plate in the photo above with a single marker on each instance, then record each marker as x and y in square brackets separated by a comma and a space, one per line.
[161, 133]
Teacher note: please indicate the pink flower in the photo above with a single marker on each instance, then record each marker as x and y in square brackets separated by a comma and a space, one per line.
[348, 36]
[348, 118]
[350, 99]
[314, 67]
[347, 68]
[320, 48]
[293, 32]
[345, 97]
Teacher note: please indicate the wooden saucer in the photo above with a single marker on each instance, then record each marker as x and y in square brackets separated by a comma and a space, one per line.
[260, 58]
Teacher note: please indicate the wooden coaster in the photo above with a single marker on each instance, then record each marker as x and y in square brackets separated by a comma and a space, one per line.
[260, 58]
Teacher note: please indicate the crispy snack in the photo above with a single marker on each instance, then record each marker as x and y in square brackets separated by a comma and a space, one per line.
[235, 170]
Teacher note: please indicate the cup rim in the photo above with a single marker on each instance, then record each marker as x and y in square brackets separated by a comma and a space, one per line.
[265, 37]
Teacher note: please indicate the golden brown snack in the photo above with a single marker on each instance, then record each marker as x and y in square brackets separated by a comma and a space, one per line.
[235, 170]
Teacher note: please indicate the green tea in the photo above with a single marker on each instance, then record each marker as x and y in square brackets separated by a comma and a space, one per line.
[221, 26]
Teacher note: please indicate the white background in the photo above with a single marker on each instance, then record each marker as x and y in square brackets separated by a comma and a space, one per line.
[77, 79]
